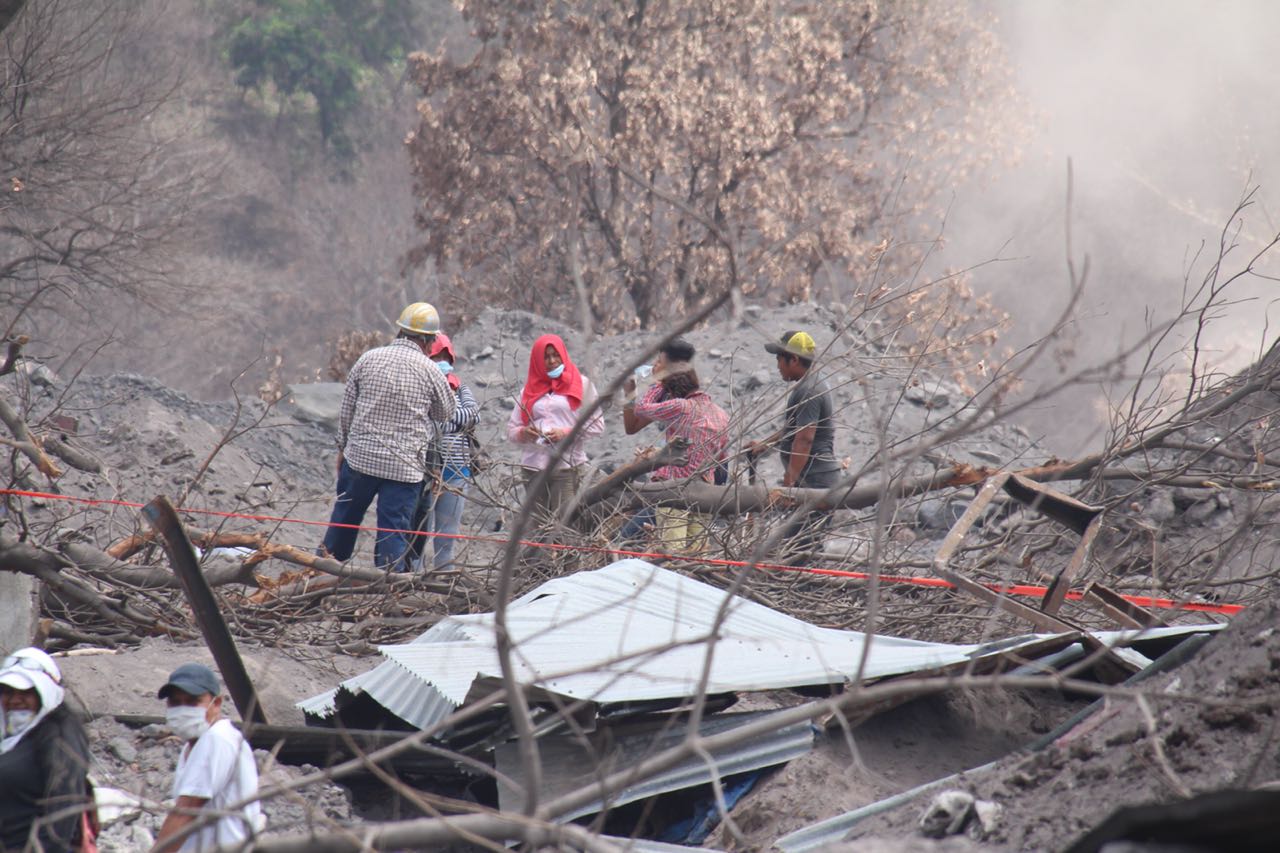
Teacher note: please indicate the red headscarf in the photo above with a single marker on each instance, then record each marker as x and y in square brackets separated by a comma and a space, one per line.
[538, 383]
[442, 344]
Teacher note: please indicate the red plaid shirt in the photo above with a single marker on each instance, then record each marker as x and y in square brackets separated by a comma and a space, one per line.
[696, 419]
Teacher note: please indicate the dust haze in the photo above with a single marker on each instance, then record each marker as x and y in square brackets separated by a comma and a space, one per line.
[1166, 111]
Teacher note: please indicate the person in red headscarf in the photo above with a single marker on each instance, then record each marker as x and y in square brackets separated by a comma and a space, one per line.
[554, 392]
[444, 494]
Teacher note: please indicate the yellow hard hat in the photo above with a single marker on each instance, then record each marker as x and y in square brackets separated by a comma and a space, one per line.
[420, 318]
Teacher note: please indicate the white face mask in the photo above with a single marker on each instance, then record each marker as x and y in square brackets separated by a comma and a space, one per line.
[445, 367]
[17, 721]
[186, 721]
[555, 372]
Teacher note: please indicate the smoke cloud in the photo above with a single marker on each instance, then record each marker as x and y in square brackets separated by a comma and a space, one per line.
[1168, 115]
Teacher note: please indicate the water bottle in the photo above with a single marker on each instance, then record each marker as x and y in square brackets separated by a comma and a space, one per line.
[643, 372]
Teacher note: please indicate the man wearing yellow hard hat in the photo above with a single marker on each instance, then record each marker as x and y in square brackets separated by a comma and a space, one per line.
[806, 439]
[385, 431]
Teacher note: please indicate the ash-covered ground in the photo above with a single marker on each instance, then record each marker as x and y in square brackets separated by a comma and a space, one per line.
[1212, 719]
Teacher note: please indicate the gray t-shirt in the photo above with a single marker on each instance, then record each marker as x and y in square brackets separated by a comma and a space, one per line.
[809, 403]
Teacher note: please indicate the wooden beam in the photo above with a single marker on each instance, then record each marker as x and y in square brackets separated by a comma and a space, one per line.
[1057, 591]
[1063, 509]
[1140, 616]
[738, 499]
[164, 518]
[951, 543]
[1041, 620]
[324, 747]
[1115, 614]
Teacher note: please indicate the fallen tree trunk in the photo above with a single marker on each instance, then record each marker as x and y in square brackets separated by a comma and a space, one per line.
[48, 566]
[672, 453]
[101, 564]
[264, 549]
[736, 499]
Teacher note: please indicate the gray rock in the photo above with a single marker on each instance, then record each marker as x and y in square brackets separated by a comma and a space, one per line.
[1202, 513]
[939, 513]
[1161, 508]
[125, 838]
[1184, 497]
[946, 814]
[123, 749]
[38, 374]
[757, 380]
[314, 402]
[988, 816]
[933, 394]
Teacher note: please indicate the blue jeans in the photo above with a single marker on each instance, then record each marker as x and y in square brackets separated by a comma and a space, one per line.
[632, 530]
[396, 501]
[439, 513]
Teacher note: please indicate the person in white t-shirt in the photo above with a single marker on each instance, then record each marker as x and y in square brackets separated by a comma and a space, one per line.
[215, 770]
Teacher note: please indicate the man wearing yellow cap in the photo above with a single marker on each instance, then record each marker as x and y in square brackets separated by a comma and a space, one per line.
[807, 437]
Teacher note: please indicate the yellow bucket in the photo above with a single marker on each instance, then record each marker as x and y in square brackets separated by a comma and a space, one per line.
[681, 531]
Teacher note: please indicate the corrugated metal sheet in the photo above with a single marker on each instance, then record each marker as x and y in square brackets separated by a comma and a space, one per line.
[322, 705]
[568, 760]
[632, 631]
[415, 700]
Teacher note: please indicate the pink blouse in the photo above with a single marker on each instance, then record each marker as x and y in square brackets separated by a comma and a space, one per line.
[552, 411]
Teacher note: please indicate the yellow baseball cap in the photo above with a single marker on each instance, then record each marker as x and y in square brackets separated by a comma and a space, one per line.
[794, 343]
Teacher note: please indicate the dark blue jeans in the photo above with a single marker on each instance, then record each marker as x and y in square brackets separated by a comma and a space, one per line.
[396, 501]
[438, 512]
[630, 532]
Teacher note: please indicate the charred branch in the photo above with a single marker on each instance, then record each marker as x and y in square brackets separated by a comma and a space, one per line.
[25, 442]
[16, 344]
[672, 453]
[72, 455]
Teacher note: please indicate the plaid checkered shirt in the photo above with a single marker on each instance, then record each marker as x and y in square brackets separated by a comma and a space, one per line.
[695, 418]
[392, 396]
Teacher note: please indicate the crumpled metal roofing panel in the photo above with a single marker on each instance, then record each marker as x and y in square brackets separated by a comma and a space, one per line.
[632, 631]
[415, 700]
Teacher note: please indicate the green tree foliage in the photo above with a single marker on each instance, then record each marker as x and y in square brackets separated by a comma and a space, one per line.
[321, 48]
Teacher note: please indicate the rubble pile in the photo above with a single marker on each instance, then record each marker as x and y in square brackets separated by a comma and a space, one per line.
[140, 761]
[1207, 726]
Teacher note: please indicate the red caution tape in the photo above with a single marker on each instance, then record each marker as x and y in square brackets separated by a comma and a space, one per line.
[1030, 590]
